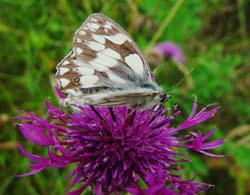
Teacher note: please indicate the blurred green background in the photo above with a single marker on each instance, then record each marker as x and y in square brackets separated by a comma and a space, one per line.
[213, 36]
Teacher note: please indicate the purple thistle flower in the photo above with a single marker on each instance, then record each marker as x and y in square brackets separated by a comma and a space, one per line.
[156, 54]
[114, 148]
[171, 49]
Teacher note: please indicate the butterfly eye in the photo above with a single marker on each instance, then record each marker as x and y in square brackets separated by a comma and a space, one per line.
[76, 80]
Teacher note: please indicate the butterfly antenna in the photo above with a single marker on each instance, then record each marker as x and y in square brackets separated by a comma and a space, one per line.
[184, 78]
[198, 103]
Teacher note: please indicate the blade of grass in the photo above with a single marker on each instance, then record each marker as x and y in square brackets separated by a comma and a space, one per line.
[164, 24]
[242, 19]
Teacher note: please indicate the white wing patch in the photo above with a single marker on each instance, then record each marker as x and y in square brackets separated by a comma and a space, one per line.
[93, 25]
[65, 62]
[62, 71]
[98, 38]
[108, 25]
[135, 62]
[64, 82]
[111, 53]
[103, 60]
[82, 32]
[95, 46]
[88, 80]
[117, 38]
[116, 78]
[83, 70]
[78, 50]
[80, 63]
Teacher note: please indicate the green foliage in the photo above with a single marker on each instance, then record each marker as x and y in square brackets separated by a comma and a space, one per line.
[213, 36]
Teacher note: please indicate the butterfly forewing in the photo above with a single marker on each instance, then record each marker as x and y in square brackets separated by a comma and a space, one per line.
[105, 61]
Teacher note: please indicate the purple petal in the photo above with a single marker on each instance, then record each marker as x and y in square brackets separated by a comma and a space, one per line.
[59, 93]
[112, 147]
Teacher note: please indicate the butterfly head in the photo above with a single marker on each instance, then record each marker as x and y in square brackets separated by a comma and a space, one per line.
[164, 97]
[161, 99]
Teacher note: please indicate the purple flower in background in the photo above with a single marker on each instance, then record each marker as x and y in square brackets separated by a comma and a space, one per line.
[171, 49]
[156, 54]
[114, 148]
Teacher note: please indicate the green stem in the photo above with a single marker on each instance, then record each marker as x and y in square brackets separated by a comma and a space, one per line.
[164, 24]
[242, 19]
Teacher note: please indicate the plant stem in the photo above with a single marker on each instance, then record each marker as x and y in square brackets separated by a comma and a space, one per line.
[164, 24]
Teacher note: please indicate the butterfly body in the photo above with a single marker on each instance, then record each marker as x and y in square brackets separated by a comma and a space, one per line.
[105, 68]
[135, 97]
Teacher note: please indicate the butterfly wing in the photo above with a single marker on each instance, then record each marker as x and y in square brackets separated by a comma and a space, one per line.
[135, 98]
[104, 59]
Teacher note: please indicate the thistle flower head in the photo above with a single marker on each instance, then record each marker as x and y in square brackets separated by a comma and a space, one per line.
[171, 49]
[164, 49]
[114, 148]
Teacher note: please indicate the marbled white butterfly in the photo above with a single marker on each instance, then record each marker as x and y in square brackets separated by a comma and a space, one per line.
[106, 68]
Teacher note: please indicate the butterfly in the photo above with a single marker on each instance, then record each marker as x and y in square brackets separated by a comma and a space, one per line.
[106, 68]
